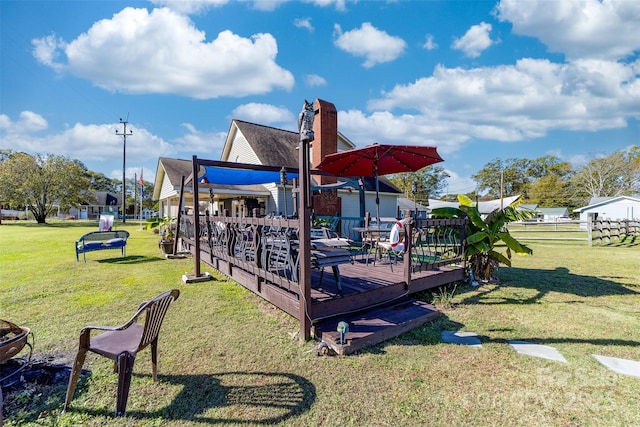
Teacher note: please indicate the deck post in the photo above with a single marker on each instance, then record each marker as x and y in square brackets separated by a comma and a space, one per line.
[408, 227]
[196, 216]
[305, 123]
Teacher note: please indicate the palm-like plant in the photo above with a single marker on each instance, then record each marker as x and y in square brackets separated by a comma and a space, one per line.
[484, 234]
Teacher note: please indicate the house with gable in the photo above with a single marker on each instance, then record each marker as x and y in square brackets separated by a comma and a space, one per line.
[614, 208]
[255, 144]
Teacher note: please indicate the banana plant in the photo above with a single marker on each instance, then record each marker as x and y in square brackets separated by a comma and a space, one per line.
[483, 235]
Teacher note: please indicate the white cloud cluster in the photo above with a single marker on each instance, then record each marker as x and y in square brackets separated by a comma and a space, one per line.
[189, 7]
[607, 29]
[429, 44]
[375, 45]
[475, 40]
[304, 23]
[340, 5]
[262, 113]
[207, 144]
[98, 145]
[162, 52]
[314, 80]
[28, 122]
[525, 100]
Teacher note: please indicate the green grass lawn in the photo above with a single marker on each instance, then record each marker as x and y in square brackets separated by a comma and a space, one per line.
[228, 357]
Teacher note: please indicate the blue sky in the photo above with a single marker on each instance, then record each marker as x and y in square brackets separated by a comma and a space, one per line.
[480, 80]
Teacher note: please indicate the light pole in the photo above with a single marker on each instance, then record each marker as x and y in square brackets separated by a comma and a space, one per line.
[283, 181]
[124, 136]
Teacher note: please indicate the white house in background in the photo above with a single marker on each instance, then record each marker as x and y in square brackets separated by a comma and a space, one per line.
[546, 214]
[405, 204]
[256, 144]
[614, 208]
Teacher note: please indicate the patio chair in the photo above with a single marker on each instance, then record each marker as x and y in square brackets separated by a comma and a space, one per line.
[121, 344]
[393, 249]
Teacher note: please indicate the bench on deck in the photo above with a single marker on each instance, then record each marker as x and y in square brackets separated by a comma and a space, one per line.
[101, 240]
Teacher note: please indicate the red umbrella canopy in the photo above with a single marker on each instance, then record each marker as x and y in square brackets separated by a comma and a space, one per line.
[387, 158]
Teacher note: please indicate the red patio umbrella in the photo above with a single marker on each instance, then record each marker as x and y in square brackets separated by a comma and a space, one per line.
[375, 160]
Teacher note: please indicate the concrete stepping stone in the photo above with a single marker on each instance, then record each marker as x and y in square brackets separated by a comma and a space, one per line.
[537, 350]
[462, 338]
[620, 366]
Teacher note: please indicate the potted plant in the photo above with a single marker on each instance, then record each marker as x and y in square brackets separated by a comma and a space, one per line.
[167, 235]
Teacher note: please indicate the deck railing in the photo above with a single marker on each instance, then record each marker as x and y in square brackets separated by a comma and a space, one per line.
[268, 247]
[436, 243]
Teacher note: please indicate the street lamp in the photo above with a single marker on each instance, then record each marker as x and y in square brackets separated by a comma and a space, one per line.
[124, 136]
[283, 181]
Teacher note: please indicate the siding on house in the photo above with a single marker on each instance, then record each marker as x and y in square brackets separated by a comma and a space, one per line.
[622, 207]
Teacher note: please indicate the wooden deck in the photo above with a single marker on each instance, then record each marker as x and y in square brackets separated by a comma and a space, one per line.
[274, 258]
[374, 300]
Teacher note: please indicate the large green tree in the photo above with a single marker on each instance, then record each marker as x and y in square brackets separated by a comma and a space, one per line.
[614, 175]
[430, 182]
[514, 176]
[42, 183]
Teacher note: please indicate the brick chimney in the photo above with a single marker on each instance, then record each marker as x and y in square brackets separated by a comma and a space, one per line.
[325, 129]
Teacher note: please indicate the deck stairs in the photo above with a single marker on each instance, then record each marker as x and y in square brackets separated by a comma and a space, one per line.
[373, 326]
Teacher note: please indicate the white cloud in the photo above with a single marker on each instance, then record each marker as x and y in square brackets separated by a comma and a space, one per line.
[88, 143]
[314, 80]
[507, 103]
[268, 5]
[262, 113]
[475, 40]
[208, 144]
[304, 23]
[28, 122]
[190, 6]
[340, 5]
[429, 44]
[162, 52]
[606, 29]
[375, 45]
[46, 50]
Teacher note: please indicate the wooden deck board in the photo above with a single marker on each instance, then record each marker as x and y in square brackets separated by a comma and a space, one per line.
[375, 326]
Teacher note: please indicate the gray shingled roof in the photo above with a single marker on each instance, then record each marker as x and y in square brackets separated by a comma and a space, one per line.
[176, 168]
[274, 147]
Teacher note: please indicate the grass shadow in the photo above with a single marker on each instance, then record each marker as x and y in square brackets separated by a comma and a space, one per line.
[256, 398]
[559, 279]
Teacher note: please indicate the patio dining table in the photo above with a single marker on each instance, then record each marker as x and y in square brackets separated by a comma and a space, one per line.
[371, 236]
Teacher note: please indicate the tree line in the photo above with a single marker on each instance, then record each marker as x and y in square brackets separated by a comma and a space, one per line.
[546, 181]
[44, 183]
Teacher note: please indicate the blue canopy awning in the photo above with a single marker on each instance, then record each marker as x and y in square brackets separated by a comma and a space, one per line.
[232, 176]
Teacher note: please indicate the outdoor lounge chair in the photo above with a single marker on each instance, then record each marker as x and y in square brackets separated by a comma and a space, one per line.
[122, 343]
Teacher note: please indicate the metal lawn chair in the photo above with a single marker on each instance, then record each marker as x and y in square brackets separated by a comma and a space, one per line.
[122, 343]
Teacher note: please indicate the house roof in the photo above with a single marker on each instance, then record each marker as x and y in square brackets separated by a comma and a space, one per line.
[275, 147]
[272, 147]
[600, 201]
[528, 207]
[483, 207]
[553, 211]
[405, 204]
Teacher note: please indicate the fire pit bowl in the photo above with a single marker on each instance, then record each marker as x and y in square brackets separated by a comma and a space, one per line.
[13, 338]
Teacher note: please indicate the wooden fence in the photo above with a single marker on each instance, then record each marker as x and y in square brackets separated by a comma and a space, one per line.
[607, 231]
